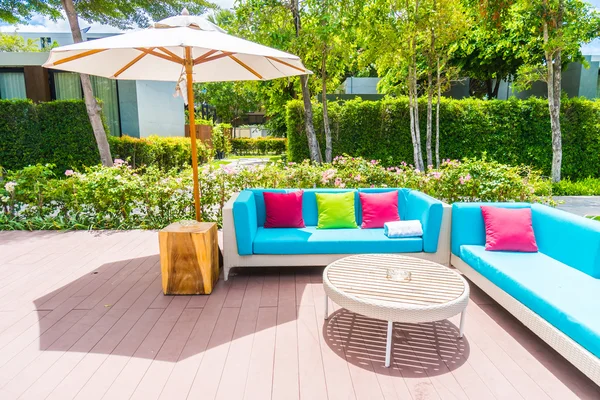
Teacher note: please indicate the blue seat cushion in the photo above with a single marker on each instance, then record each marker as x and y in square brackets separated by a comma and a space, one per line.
[311, 240]
[565, 297]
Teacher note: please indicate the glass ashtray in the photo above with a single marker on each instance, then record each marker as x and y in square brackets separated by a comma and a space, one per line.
[398, 274]
[188, 222]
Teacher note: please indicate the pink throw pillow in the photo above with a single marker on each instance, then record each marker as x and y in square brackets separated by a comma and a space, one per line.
[508, 229]
[284, 210]
[379, 208]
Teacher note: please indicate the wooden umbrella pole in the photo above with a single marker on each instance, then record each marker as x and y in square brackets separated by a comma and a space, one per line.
[189, 67]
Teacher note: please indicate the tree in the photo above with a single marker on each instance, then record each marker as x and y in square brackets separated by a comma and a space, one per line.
[329, 44]
[559, 27]
[491, 51]
[230, 99]
[448, 22]
[12, 42]
[123, 14]
[279, 24]
[395, 47]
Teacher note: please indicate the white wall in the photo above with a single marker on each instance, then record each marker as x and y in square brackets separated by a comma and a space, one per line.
[160, 113]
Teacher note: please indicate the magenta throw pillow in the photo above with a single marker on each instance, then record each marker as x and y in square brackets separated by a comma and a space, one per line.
[284, 210]
[508, 229]
[379, 208]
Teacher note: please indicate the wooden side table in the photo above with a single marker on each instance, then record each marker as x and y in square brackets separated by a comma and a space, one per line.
[189, 258]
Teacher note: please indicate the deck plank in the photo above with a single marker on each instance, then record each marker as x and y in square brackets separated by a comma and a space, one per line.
[67, 332]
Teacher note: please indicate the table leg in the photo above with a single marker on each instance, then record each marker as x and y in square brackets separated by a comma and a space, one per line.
[463, 315]
[326, 307]
[388, 346]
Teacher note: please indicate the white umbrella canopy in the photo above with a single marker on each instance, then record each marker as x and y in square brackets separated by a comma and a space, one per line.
[158, 54]
[181, 46]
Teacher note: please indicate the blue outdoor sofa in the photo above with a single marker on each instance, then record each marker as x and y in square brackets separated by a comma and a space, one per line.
[247, 243]
[554, 292]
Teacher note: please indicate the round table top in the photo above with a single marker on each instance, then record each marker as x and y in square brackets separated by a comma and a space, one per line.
[364, 278]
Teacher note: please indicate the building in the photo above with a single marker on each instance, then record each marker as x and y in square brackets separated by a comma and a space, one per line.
[134, 108]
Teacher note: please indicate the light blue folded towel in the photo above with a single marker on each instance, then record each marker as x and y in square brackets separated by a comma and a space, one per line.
[400, 229]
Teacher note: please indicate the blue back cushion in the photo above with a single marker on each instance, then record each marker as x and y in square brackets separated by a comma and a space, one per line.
[309, 202]
[467, 223]
[568, 238]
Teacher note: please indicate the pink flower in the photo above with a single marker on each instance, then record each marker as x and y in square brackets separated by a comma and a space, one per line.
[69, 172]
[464, 179]
[436, 174]
[339, 183]
[118, 162]
[373, 162]
[357, 178]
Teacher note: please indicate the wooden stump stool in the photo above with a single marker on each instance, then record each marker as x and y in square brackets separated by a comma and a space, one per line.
[189, 258]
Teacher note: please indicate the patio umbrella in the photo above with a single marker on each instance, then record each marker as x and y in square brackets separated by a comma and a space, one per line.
[178, 47]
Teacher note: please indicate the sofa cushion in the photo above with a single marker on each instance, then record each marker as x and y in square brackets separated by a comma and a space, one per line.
[311, 240]
[569, 238]
[378, 208]
[565, 297]
[508, 229]
[284, 210]
[336, 210]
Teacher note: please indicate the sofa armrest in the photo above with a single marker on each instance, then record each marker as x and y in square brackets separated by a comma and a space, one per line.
[429, 211]
[244, 221]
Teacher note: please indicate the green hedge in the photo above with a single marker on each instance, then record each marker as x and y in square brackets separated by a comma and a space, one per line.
[59, 133]
[164, 152]
[268, 145]
[509, 131]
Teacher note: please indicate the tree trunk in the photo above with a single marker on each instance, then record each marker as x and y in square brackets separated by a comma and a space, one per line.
[327, 130]
[417, 128]
[429, 116]
[553, 61]
[93, 109]
[437, 116]
[496, 87]
[411, 113]
[313, 144]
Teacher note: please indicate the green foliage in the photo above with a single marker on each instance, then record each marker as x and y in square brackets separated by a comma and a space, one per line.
[122, 14]
[165, 153]
[57, 132]
[231, 99]
[261, 146]
[512, 132]
[583, 187]
[15, 43]
[121, 197]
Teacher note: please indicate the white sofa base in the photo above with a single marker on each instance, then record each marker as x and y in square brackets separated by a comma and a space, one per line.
[585, 361]
[231, 258]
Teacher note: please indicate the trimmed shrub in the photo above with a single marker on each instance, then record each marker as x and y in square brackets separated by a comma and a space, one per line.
[59, 133]
[260, 146]
[511, 131]
[163, 152]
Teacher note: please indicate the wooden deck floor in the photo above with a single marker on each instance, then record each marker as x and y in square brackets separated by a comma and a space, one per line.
[82, 316]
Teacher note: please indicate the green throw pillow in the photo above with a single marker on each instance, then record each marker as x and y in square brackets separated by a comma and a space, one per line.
[336, 210]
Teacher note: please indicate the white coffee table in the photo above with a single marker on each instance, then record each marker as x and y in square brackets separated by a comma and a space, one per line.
[367, 284]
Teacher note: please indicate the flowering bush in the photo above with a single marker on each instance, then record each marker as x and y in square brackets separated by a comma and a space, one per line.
[123, 197]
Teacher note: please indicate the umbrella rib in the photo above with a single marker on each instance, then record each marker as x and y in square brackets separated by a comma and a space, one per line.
[237, 60]
[129, 64]
[213, 58]
[159, 55]
[175, 56]
[286, 64]
[204, 56]
[78, 56]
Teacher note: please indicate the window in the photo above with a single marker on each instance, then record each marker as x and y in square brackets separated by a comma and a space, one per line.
[12, 85]
[67, 85]
[45, 42]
